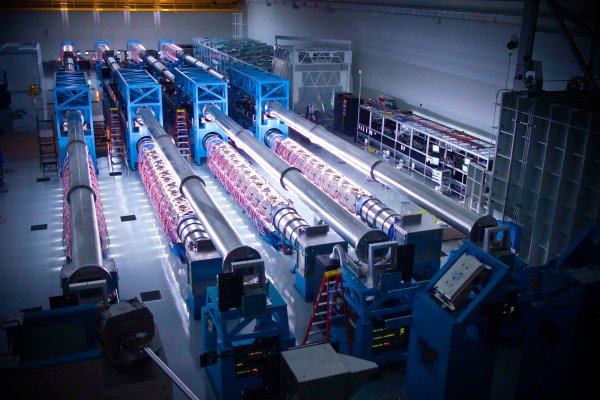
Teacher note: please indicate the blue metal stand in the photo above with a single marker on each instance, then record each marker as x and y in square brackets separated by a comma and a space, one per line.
[136, 88]
[560, 343]
[450, 352]
[71, 92]
[262, 87]
[198, 88]
[242, 344]
[381, 316]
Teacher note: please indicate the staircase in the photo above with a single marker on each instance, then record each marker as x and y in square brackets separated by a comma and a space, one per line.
[117, 148]
[330, 307]
[182, 138]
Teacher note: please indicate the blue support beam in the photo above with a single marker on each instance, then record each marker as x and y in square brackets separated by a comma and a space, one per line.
[262, 87]
[71, 92]
[198, 88]
[136, 88]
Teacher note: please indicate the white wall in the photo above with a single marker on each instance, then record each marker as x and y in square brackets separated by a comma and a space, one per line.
[49, 28]
[450, 70]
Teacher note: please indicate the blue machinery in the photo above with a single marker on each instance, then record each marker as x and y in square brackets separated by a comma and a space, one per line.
[72, 93]
[244, 316]
[452, 328]
[382, 296]
[135, 89]
[196, 90]
[251, 90]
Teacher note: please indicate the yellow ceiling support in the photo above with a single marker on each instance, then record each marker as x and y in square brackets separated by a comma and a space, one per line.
[131, 5]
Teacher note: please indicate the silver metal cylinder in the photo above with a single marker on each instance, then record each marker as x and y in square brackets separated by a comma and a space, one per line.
[189, 60]
[346, 225]
[191, 233]
[220, 231]
[86, 249]
[157, 65]
[113, 64]
[447, 209]
[368, 207]
[69, 64]
[376, 213]
[284, 218]
[174, 378]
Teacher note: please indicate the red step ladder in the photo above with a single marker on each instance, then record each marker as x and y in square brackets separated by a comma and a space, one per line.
[117, 148]
[182, 138]
[329, 304]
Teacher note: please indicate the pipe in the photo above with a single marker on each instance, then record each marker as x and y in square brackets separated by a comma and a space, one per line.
[172, 208]
[69, 64]
[346, 192]
[86, 249]
[157, 65]
[178, 53]
[447, 209]
[267, 208]
[347, 226]
[174, 378]
[220, 231]
[113, 64]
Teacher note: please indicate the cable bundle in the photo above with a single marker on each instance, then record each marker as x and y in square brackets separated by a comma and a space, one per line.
[339, 187]
[102, 227]
[255, 195]
[162, 188]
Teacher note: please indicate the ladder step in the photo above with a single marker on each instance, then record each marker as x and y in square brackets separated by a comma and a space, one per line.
[322, 331]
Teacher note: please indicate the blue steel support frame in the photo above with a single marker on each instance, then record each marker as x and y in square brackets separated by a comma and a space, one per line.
[200, 88]
[223, 331]
[71, 92]
[263, 87]
[383, 311]
[136, 88]
[450, 356]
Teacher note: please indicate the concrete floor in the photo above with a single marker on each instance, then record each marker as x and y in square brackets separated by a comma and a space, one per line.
[31, 260]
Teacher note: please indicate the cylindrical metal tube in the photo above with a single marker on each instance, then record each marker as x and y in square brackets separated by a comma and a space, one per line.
[339, 187]
[69, 64]
[157, 65]
[220, 231]
[174, 378]
[113, 64]
[196, 63]
[177, 218]
[347, 226]
[267, 208]
[447, 209]
[86, 249]
[176, 52]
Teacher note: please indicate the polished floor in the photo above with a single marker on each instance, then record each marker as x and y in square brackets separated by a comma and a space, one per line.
[31, 260]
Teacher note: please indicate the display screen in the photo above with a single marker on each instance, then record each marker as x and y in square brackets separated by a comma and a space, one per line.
[435, 148]
[389, 338]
